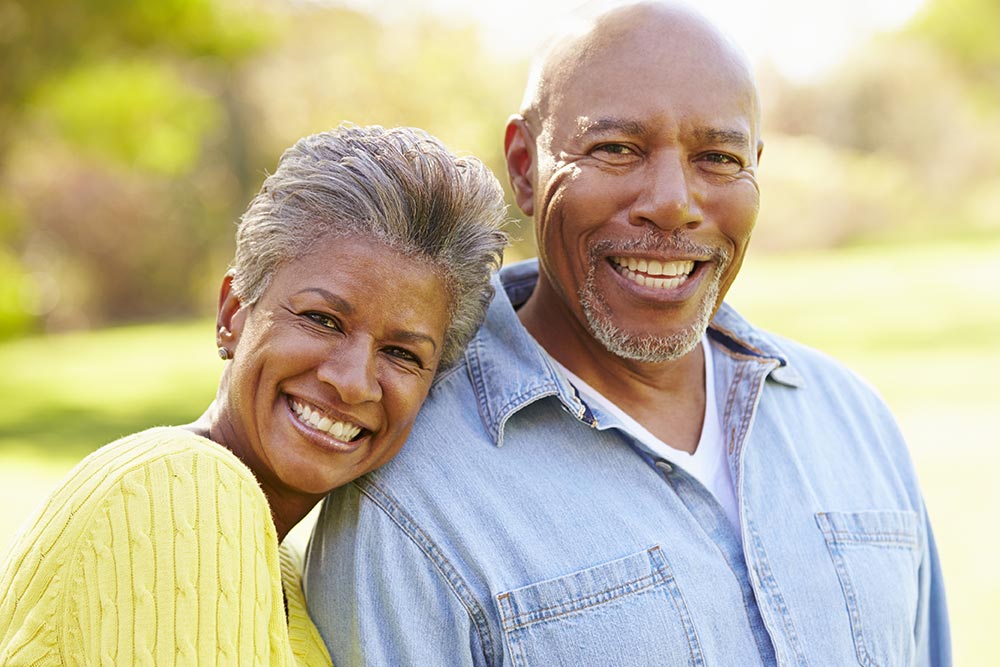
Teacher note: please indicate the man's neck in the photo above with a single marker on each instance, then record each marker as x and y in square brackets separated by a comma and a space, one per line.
[667, 397]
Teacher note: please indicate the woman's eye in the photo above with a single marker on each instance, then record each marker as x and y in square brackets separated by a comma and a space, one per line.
[323, 320]
[404, 355]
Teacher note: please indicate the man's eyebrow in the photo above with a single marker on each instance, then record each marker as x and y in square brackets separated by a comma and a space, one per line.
[714, 135]
[605, 125]
[337, 302]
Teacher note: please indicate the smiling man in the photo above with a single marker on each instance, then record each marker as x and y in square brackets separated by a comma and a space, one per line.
[624, 471]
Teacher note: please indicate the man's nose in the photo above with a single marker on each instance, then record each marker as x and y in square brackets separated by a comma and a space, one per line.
[666, 198]
[353, 373]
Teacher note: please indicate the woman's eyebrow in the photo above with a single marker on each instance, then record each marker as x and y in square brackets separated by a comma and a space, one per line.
[335, 301]
[414, 337]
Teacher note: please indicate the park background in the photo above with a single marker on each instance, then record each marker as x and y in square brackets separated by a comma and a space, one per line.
[132, 135]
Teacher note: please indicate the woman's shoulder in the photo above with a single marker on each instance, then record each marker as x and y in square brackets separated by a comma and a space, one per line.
[172, 517]
[166, 462]
[140, 455]
[155, 464]
[154, 444]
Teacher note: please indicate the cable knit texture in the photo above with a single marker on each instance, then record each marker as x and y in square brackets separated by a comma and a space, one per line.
[158, 549]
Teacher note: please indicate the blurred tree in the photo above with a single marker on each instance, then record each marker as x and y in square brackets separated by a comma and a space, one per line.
[344, 65]
[967, 31]
[113, 114]
[911, 105]
[137, 131]
[42, 39]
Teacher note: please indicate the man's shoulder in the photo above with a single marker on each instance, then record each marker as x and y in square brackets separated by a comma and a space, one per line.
[502, 369]
[818, 367]
[809, 365]
[453, 418]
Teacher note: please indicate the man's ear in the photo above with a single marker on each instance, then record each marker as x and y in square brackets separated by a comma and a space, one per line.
[519, 149]
[231, 316]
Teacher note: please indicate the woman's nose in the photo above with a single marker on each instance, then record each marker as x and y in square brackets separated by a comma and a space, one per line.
[353, 374]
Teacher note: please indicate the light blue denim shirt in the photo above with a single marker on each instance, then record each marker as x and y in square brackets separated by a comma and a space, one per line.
[519, 527]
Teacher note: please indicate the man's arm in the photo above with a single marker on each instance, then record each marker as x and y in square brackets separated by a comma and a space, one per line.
[932, 631]
[381, 595]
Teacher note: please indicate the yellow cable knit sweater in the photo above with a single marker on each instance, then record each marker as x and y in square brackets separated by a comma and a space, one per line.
[158, 549]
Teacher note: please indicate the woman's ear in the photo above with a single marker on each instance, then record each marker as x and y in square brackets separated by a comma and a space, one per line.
[519, 149]
[230, 317]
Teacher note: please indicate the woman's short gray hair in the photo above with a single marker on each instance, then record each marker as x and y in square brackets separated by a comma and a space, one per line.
[403, 188]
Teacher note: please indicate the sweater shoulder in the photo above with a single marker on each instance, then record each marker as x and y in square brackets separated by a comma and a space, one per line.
[157, 463]
[157, 444]
[137, 455]
[163, 505]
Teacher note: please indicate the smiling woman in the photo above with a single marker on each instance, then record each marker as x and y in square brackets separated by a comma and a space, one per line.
[362, 269]
[335, 359]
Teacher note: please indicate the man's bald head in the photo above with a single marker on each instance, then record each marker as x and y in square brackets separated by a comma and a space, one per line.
[675, 33]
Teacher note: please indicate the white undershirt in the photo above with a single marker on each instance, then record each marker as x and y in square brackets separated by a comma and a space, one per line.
[709, 463]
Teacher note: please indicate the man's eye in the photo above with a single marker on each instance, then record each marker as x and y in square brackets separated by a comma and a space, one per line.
[615, 150]
[323, 320]
[721, 163]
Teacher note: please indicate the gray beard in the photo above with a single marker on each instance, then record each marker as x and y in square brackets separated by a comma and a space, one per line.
[648, 347]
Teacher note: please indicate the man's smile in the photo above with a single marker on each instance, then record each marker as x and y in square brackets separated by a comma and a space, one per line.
[653, 273]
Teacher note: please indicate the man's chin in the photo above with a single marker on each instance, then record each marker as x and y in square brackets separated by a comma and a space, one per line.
[649, 348]
[632, 340]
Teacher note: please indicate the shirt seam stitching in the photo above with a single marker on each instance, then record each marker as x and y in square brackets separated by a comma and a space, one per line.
[461, 590]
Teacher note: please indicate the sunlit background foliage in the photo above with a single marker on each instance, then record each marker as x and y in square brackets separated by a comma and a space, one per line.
[132, 135]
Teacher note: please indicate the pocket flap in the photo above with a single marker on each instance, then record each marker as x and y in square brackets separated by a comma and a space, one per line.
[587, 588]
[886, 528]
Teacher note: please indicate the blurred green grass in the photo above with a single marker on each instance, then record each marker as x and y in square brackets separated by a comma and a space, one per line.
[64, 395]
[919, 322]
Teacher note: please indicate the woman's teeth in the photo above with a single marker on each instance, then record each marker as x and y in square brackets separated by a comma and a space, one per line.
[343, 431]
[654, 273]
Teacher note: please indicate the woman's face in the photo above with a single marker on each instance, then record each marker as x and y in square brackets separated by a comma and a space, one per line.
[331, 364]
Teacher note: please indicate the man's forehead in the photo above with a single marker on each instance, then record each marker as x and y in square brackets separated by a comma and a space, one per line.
[660, 38]
[640, 65]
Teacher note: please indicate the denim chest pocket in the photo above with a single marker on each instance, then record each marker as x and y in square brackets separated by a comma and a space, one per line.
[597, 615]
[876, 555]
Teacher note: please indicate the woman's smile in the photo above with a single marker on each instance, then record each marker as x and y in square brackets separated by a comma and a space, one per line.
[310, 415]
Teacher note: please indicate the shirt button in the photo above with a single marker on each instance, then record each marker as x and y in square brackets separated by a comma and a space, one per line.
[665, 466]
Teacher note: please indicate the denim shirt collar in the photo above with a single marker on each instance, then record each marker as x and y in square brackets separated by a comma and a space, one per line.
[510, 370]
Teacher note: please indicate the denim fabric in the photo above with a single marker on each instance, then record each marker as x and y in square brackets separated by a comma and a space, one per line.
[519, 528]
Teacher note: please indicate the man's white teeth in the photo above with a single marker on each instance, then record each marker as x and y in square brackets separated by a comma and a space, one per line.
[654, 273]
[343, 431]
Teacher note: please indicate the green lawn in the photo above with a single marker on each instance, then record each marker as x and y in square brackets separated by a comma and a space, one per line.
[920, 323]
